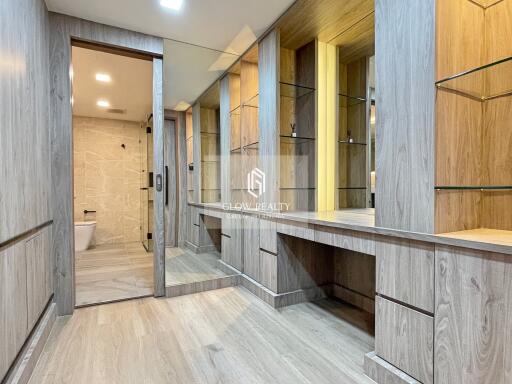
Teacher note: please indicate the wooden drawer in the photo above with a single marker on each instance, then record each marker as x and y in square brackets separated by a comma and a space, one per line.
[405, 271]
[268, 270]
[268, 235]
[405, 338]
[346, 239]
[231, 251]
[13, 303]
[251, 239]
[297, 229]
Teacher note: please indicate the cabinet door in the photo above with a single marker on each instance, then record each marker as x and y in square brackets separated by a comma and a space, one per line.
[13, 304]
[39, 278]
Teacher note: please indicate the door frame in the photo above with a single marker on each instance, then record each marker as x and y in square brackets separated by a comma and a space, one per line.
[66, 31]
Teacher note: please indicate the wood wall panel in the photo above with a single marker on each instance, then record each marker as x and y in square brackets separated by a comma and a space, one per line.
[13, 303]
[24, 117]
[62, 29]
[405, 338]
[405, 271]
[268, 270]
[251, 246]
[268, 117]
[355, 271]
[39, 274]
[405, 72]
[225, 138]
[473, 339]
[182, 171]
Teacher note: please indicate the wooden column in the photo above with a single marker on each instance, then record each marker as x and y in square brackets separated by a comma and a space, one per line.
[405, 99]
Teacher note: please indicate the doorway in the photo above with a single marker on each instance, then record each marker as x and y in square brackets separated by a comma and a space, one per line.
[113, 175]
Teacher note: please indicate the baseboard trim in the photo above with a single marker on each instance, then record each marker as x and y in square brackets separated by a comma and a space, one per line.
[202, 286]
[26, 361]
[356, 299]
[280, 300]
[194, 248]
[380, 371]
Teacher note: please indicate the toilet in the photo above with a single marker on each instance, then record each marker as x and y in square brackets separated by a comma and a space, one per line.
[84, 230]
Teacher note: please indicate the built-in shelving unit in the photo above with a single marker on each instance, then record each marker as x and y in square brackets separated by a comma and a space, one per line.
[473, 180]
[209, 132]
[297, 127]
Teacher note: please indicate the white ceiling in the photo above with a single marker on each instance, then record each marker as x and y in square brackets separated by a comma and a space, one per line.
[221, 25]
[130, 89]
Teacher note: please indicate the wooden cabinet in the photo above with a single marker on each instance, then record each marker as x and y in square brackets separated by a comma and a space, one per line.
[251, 247]
[268, 235]
[268, 270]
[405, 338]
[405, 271]
[13, 303]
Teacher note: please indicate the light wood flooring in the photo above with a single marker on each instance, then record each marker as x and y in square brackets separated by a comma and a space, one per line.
[183, 266]
[113, 272]
[223, 336]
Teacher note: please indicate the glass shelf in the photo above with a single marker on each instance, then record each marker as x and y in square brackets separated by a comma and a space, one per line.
[235, 111]
[349, 101]
[294, 91]
[346, 188]
[253, 146]
[300, 188]
[210, 133]
[253, 102]
[473, 187]
[210, 161]
[482, 83]
[295, 139]
[350, 142]
[189, 138]
[235, 150]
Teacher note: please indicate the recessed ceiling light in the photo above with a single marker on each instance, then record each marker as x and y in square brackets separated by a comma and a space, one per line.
[172, 4]
[103, 103]
[103, 77]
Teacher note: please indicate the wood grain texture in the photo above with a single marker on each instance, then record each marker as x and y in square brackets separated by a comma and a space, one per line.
[13, 303]
[62, 29]
[196, 339]
[39, 274]
[325, 19]
[252, 238]
[405, 70]
[268, 270]
[158, 169]
[405, 272]
[384, 373]
[355, 271]
[346, 239]
[171, 184]
[473, 325]
[405, 338]
[225, 138]
[268, 235]
[182, 171]
[358, 40]
[196, 129]
[268, 116]
[25, 200]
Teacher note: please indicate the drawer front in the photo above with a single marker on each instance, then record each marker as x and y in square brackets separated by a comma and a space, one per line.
[231, 252]
[268, 235]
[300, 230]
[268, 270]
[405, 338]
[346, 239]
[405, 271]
[251, 240]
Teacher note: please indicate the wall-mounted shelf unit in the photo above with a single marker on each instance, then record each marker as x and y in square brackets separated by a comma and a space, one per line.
[297, 127]
[473, 178]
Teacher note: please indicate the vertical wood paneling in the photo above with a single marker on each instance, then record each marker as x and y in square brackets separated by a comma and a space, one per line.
[405, 96]
[182, 178]
[24, 117]
[62, 29]
[196, 150]
[225, 139]
[158, 169]
[251, 246]
[269, 114]
[170, 157]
